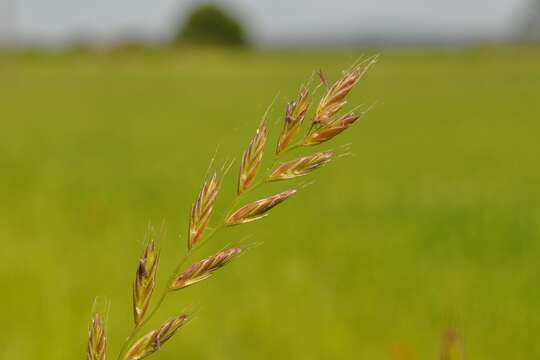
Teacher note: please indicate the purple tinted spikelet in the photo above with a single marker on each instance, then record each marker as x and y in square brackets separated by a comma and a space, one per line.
[201, 210]
[294, 117]
[145, 281]
[97, 340]
[300, 167]
[330, 130]
[204, 268]
[152, 342]
[252, 157]
[258, 209]
[334, 98]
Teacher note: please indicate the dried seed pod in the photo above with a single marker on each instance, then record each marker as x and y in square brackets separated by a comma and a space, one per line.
[301, 166]
[97, 340]
[451, 347]
[330, 130]
[258, 209]
[145, 281]
[294, 117]
[334, 98]
[151, 342]
[202, 210]
[204, 268]
[252, 157]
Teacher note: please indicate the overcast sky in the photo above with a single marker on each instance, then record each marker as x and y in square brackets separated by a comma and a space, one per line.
[270, 21]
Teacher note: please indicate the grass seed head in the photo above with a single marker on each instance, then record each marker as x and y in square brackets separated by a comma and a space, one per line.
[330, 130]
[151, 342]
[294, 117]
[326, 125]
[252, 157]
[202, 210]
[97, 340]
[204, 268]
[334, 98]
[145, 281]
[258, 209]
[300, 167]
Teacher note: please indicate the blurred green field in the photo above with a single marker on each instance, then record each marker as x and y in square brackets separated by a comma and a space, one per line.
[435, 220]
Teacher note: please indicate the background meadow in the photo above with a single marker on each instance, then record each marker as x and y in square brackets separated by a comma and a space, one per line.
[433, 222]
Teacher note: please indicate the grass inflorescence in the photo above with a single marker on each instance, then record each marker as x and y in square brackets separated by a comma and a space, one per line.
[327, 122]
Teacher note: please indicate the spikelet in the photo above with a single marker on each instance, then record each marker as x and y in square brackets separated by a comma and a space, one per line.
[301, 166]
[251, 160]
[258, 209]
[451, 348]
[294, 117]
[204, 268]
[96, 339]
[151, 342]
[202, 210]
[145, 281]
[330, 130]
[334, 98]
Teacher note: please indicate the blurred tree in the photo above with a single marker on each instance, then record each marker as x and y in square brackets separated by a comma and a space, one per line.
[531, 26]
[209, 24]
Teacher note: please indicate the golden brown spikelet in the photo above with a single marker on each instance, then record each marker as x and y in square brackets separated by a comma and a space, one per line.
[294, 117]
[258, 209]
[202, 210]
[334, 98]
[204, 268]
[97, 340]
[145, 281]
[252, 157]
[330, 130]
[301, 166]
[151, 342]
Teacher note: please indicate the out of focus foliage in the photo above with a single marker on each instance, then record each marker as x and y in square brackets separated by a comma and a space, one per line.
[211, 25]
[434, 222]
